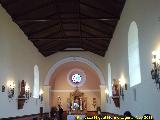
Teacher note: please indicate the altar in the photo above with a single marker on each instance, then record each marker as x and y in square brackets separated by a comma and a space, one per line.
[77, 103]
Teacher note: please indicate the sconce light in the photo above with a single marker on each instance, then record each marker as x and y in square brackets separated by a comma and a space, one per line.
[107, 94]
[156, 67]
[122, 86]
[11, 87]
[41, 95]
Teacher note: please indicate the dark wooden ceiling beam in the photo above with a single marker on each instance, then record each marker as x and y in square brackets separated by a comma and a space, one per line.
[69, 37]
[79, 22]
[9, 2]
[42, 29]
[96, 46]
[102, 42]
[96, 29]
[42, 6]
[108, 23]
[119, 2]
[96, 8]
[59, 17]
[93, 50]
[69, 18]
[56, 45]
[65, 50]
[50, 52]
[53, 33]
[86, 33]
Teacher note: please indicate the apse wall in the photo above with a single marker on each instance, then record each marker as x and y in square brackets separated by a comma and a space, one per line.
[61, 87]
[146, 15]
[17, 59]
[95, 59]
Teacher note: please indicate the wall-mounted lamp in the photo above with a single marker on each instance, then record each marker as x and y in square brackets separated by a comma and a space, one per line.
[155, 72]
[41, 95]
[123, 86]
[11, 87]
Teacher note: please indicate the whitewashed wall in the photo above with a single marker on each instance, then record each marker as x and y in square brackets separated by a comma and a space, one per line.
[17, 59]
[146, 14]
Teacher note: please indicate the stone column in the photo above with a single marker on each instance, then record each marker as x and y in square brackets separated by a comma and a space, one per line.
[103, 97]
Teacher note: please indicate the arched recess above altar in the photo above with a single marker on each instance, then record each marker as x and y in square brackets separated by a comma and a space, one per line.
[62, 72]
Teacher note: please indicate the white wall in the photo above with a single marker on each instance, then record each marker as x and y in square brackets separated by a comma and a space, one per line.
[145, 13]
[17, 59]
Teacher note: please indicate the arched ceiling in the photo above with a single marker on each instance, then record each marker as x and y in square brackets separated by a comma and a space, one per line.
[55, 25]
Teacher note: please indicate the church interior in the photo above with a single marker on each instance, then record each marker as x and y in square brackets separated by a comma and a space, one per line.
[79, 59]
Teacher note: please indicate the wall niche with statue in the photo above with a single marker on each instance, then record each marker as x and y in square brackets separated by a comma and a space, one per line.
[22, 95]
[116, 92]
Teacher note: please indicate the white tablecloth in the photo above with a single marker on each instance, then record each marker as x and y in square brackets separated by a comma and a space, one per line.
[72, 117]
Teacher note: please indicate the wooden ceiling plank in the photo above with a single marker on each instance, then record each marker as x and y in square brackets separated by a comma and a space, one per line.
[9, 2]
[56, 45]
[34, 9]
[98, 30]
[102, 21]
[96, 46]
[69, 18]
[69, 37]
[96, 8]
[42, 29]
[87, 33]
[109, 5]
[93, 50]
[46, 32]
[53, 33]
[60, 20]
[100, 42]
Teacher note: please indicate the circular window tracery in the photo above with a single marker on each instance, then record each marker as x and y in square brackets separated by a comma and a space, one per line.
[76, 77]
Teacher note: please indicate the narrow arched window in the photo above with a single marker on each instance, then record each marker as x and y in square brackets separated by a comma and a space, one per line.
[36, 82]
[109, 80]
[133, 55]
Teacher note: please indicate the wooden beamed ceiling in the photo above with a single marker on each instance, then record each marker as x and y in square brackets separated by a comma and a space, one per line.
[55, 25]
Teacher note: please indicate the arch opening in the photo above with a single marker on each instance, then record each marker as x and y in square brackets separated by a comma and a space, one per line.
[53, 69]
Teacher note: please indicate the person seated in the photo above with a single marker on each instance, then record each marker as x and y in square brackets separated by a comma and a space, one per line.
[128, 115]
[147, 117]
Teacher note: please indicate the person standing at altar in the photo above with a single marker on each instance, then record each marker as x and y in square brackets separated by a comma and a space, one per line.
[60, 112]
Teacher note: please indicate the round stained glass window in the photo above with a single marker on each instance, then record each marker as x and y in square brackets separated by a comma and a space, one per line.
[76, 77]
